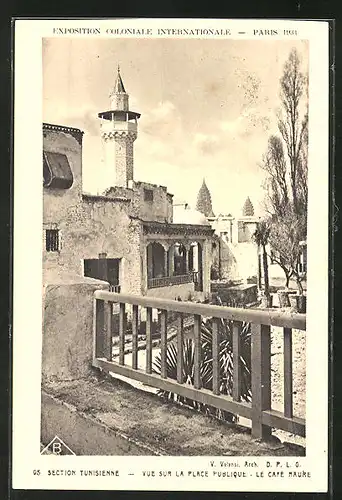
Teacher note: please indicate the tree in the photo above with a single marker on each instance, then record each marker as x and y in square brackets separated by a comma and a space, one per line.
[293, 129]
[284, 238]
[285, 163]
[261, 238]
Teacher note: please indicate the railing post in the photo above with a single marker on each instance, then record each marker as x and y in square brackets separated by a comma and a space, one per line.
[216, 357]
[135, 321]
[197, 355]
[163, 342]
[100, 329]
[180, 339]
[237, 327]
[108, 330]
[122, 333]
[261, 378]
[94, 328]
[148, 340]
[288, 382]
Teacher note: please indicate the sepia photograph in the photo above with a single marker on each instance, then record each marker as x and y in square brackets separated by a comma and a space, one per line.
[174, 258]
[171, 314]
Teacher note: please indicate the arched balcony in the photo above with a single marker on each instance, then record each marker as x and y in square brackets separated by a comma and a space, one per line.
[176, 254]
[157, 266]
[174, 263]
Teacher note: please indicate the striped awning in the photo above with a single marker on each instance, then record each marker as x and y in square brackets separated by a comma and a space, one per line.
[57, 173]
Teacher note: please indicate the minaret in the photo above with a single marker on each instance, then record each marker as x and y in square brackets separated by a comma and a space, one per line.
[119, 129]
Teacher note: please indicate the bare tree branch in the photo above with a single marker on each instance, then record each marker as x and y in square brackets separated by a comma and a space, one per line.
[285, 163]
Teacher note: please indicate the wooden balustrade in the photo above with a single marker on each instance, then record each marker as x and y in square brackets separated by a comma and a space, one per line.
[259, 411]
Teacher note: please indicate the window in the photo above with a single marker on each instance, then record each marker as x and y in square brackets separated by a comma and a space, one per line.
[52, 240]
[56, 171]
[103, 269]
[148, 195]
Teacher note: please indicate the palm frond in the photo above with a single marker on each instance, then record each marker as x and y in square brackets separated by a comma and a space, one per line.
[225, 331]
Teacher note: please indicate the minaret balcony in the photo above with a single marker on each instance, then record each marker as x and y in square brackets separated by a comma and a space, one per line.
[120, 126]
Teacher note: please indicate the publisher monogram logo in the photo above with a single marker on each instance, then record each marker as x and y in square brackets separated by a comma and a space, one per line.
[57, 447]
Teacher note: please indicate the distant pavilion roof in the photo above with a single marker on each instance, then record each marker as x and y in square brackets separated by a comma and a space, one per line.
[248, 209]
[204, 204]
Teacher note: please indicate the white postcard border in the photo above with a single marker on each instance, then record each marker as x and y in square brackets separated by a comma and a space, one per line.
[27, 280]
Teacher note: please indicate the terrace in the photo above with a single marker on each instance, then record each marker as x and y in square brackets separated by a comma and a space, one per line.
[259, 410]
[125, 420]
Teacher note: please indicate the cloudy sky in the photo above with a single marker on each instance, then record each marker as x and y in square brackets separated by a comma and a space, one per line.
[207, 109]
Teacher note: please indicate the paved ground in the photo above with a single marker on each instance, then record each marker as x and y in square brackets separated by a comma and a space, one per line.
[280, 282]
[299, 378]
[277, 381]
[169, 428]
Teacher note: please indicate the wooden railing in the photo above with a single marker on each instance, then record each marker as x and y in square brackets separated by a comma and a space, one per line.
[259, 411]
[171, 280]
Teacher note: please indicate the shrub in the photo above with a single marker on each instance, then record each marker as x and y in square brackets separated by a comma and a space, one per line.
[206, 366]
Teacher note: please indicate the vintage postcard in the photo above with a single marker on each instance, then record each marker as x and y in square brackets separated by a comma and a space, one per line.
[171, 196]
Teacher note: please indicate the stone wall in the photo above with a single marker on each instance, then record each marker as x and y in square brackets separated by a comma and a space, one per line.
[235, 253]
[238, 295]
[66, 142]
[107, 224]
[89, 225]
[93, 227]
[225, 259]
[246, 260]
[184, 291]
[160, 208]
[67, 326]
[238, 261]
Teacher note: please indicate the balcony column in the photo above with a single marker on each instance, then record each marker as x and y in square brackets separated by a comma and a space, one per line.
[186, 259]
[195, 256]
[149, 261]
[165, 246]
[166, 262]
[171, 255]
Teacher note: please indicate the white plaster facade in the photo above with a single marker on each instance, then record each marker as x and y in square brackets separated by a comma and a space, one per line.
[84, 232]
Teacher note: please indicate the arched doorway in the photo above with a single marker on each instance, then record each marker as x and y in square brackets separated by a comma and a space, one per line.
[156, 261]
[180, 259]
